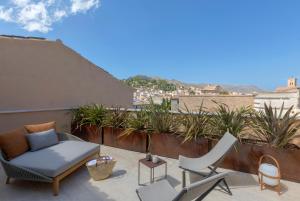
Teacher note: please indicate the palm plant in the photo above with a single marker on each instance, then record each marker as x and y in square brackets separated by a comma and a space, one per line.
[194, 125]
[232, 121]
[276, 128]
[91, 115]
[116, 118]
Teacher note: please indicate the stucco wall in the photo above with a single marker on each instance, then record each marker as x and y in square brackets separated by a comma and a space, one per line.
[47, 75]
[194, 102]
[277, 99]
[37, 74]
[10, 121]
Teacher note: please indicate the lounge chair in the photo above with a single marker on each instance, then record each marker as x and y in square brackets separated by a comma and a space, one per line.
[211, 160]
[50, 164]
[163, 191]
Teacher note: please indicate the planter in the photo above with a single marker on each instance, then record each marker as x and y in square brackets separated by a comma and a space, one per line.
[171, 146]
[245, 157]
[88, 133]
[135, 142]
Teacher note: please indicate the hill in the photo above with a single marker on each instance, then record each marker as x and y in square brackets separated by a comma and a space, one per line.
[142, 81]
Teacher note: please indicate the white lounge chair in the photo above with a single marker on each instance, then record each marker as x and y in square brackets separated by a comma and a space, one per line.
[211, 160]
[163, 191]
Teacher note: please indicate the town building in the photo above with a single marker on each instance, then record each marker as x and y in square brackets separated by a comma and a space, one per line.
[288, 96]
[212, 89]
[193, 103]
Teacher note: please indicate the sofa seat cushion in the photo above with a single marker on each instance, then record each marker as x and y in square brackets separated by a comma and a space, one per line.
[54, 160]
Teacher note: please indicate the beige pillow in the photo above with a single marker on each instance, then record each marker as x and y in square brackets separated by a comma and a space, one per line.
[14, 143]
[34, 128]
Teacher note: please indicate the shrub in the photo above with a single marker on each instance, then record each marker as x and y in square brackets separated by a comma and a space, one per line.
[232, 121]
[194, 125]
[92, 115]
[275, 128]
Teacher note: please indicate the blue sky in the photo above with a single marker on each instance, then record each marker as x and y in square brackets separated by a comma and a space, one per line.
[246, 42]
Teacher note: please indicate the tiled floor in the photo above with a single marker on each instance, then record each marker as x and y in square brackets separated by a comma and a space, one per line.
[121, 186]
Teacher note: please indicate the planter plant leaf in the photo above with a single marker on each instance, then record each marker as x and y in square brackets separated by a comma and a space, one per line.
[161, 120]
[89, 115]
[194, 124]
[275, 127]
[226, 120]
[137, 122]
[116, 118]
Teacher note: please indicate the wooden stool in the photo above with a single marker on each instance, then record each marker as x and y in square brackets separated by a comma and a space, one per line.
[268, 174]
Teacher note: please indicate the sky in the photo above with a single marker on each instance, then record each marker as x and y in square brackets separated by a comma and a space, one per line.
[240, 42]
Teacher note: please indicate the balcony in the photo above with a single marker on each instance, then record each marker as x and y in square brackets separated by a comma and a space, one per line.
[123, 183]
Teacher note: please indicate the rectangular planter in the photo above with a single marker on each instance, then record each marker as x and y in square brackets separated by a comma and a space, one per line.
[245, 157]
[88, 133]
[135, 142]
[171, 146]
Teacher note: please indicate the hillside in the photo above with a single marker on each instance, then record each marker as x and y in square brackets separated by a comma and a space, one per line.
[142, 81]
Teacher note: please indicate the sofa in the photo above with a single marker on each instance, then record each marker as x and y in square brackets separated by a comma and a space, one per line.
[52, 163]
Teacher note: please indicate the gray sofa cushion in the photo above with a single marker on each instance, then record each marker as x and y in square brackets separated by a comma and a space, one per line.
[54, 160]
[42, 139]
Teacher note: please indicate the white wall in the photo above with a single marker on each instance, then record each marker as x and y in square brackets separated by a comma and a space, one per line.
[276, 99]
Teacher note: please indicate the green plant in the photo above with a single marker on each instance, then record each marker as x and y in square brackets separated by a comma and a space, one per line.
[116, 117]
[92, 115]
[160, 118]
[233, 121]
[138, 122]
[275, 128]
[194, 124]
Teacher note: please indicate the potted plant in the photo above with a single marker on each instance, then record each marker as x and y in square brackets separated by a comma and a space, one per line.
[163, 126]
[277, 128]
[236, 122]
[88, 121]
[136, 136]
[193, 131]
[114, 124]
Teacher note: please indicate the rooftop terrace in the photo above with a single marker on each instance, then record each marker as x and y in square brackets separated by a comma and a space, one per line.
[122, 184]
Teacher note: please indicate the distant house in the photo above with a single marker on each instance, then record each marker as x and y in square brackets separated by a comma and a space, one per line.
[212, 89]
[291, 86]
[289, 96]
[41, 80]
[194, 102]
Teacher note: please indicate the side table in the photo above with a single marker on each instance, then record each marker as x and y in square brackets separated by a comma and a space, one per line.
[151, 166]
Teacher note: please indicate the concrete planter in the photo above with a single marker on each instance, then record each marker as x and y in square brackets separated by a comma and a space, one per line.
[171, 146]
[88, 133]
[137, 141]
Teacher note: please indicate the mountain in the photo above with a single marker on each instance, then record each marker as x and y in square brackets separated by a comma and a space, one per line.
[170, 85]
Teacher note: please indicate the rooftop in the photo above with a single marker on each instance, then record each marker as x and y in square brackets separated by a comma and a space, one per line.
[123, 183]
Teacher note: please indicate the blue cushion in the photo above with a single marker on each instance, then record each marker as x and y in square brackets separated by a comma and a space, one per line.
[54, 160]
[42, 139]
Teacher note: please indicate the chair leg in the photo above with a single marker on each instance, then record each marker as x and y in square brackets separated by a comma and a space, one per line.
[183, 179]
[7, 180]
[278, 189]
[55, 187]
[227, 187]
[213, 170]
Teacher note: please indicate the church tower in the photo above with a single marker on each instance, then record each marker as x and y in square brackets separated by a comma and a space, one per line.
[292, 82]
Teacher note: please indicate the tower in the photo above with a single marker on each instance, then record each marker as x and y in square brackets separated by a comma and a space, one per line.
[292, 82]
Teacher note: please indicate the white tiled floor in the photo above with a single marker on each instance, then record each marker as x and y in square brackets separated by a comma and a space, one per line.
[121, 186]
